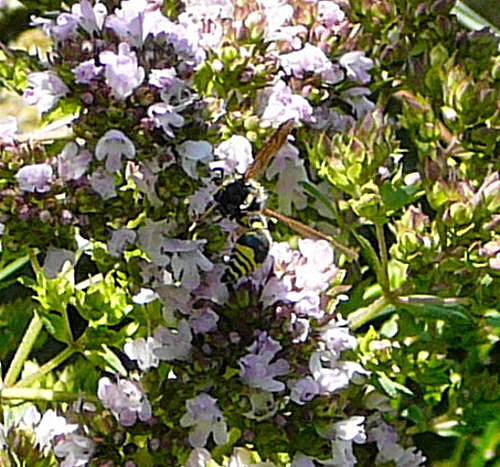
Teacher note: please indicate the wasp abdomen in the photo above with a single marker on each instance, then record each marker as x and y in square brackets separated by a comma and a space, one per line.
[249, 252]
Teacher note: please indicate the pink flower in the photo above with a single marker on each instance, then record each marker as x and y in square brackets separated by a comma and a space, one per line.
[121, 70]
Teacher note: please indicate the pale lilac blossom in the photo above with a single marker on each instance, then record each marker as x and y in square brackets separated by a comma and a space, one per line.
[206, 417]
[145, 175]
[311, 60]
[86, 71]
[389, 450]
[192, 153]
[76, 450]
[342, 454]
[128, 23]
[337, 336]
[291, 172]
[103, 183]
[204, 321]
[141, 350]
[283, 105]
[35, 178]
[317, 269]
[223, 9]
[174, 297]
[166, 117]
[112, 146]
[119, 240]
[329, 13]
[90, 18]
[304, 390]
[187, 261]
[233, 155]
[51, 425]
[357, 66]
[256, 369]
[351, 429]
[163, 78]
[151, 239]
[125, 399]
[55, 260]
[122, 72]
[278, 16]
[301, 460]
[8, 130]
[72, 163]
[136, 19]
[357, 98]
[199, 457]
[332, 375]
[64, 27]
[205, 32]
[200, 199]
[173, 344]
[44, 90]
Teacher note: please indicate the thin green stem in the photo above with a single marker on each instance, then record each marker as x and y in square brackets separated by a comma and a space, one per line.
[13, 267]
[23, 350]
[365, 314]
[384, 259]
[431, 300]
[35, 394]
[49, 366]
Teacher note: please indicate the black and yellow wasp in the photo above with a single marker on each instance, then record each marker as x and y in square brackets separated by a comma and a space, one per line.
[242, 198]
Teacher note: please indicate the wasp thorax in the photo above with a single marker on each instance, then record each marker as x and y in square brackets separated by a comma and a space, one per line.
[238, 196]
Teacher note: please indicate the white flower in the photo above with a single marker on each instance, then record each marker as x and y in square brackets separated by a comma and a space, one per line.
[191, 153]
[206, 417]
[73, 163]
[112, 146]
[234, 154]
[76, 450]
[142, 350]
[45, 89]
[173, 344]
[103, 183]
[51, 425]
[35, 178]
[125, 399]
[121, 70]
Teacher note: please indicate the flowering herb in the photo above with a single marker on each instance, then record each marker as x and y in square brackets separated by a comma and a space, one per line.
[388, 119]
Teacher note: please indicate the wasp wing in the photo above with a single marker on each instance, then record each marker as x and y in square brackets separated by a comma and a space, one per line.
[270, 148]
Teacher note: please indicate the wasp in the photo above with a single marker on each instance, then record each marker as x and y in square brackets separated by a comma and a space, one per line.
[242, 199]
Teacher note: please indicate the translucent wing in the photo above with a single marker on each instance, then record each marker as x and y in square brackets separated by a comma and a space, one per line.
[270, 148]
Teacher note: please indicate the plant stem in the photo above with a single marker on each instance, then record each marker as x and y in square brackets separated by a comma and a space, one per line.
[365, 314]
[384, 260]
[13, 267]
[34, 394]
[23, 350]
[44, 369]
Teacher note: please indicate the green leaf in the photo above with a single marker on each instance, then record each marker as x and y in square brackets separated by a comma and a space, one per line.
[106, 359]
[397, 197]
[454, 314]
[55, 325]
[391, 388]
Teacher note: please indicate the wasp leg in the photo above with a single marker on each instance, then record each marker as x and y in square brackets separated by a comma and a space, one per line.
[309, 232]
